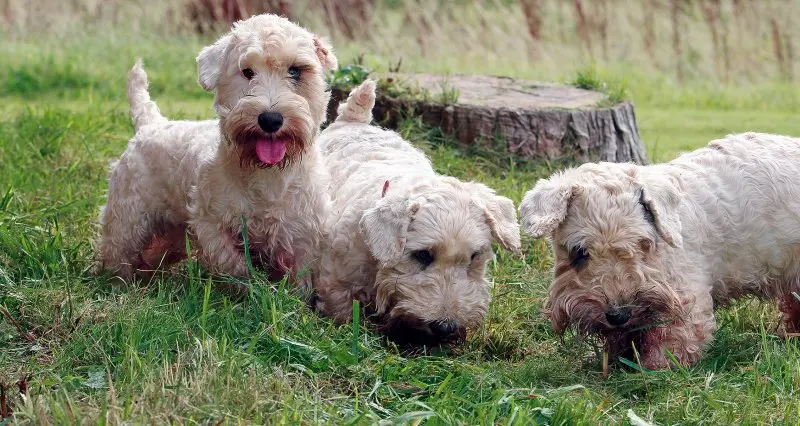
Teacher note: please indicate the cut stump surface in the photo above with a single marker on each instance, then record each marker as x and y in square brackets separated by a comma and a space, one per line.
[532, 120]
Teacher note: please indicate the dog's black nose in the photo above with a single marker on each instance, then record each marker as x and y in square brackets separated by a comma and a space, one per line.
[443, 328]
[618, 316]
[270, 122]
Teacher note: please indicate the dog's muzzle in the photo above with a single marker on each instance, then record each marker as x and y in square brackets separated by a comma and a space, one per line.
[411, 332]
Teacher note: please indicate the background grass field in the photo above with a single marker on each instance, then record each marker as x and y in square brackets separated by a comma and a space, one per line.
[174, 350]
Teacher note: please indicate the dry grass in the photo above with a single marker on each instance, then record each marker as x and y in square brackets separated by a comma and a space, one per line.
[736, 41]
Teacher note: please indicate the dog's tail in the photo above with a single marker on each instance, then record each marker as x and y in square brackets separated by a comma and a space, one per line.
[358, 107]
[143, 110]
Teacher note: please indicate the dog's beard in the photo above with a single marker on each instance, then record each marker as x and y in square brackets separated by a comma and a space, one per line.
[654, 305]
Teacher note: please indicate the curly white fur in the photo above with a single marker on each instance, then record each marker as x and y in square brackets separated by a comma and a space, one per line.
[411, 245]
[643, 254]
[206, 176]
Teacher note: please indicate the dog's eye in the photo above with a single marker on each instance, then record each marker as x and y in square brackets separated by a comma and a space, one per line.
[248, 73]
[474, 256]
[578, 257]
[424, 257]
[294, 72]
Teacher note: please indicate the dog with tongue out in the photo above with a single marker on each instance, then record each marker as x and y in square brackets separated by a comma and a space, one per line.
[257, 168]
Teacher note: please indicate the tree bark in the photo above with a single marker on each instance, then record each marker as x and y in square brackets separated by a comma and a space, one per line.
[534, 121]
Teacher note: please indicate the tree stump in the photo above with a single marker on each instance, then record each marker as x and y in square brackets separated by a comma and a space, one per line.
[534, 120]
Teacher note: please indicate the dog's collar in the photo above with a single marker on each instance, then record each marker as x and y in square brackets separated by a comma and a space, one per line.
[385, 188]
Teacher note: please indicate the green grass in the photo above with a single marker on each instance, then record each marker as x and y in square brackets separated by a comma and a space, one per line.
[175, 350]
[589, 79]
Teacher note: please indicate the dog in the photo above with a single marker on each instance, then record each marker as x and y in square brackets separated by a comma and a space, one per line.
[643, 254]
[256, 168]
[410, 245]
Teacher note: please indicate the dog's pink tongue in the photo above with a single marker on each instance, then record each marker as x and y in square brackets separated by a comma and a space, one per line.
[270, 151]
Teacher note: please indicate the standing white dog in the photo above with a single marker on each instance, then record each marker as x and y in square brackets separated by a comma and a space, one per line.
[643, 254]
[257, 164]
[409, 244]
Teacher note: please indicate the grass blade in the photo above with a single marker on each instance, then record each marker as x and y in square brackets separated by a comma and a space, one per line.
[356, 319]
[246, 244]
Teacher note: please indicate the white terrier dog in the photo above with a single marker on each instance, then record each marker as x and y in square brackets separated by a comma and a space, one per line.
[410, 245]
[643, 254]
[257, 164]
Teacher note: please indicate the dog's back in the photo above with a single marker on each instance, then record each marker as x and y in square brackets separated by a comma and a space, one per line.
[162, 150]
[362, 157]
[748, 188]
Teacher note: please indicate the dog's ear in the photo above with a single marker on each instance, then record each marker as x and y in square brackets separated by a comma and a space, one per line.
[325, 54]
[661, 197]
[210, 61]
[500, 215]
[385, 227]
[545, 206]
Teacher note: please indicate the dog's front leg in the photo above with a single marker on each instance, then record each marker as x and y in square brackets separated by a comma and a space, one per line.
[219, 250]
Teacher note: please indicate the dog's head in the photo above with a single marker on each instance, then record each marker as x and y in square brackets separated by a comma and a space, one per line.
[268, 76]
[432, 242]
[609, 225]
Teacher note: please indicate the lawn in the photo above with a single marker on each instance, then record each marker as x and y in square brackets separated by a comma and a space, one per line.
[175, 350]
